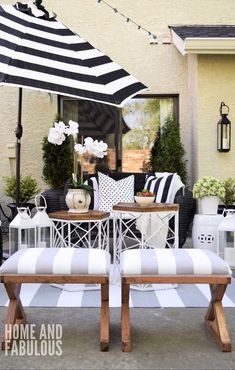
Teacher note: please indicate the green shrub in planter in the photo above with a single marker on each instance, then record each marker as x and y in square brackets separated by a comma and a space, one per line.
[57, 163]
[229, 197]
[28, 188]
[167, 153]
[208, 186]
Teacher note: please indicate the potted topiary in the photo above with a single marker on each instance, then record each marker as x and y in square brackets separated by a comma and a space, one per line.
[209, 190]
[229, 197]
[167, 153]
[57, 169]
[28, 189]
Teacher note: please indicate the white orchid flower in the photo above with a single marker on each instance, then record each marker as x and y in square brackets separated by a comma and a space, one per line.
[80, 149]
[56, 136]
[95, 147]
[98, 149]
[60, 126]
[88, 143]
[72, 128]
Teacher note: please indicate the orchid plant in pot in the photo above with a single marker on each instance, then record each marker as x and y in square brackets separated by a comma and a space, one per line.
[78, 197]
[209, 190]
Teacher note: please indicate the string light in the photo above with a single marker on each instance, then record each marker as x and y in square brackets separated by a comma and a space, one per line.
[152, 36]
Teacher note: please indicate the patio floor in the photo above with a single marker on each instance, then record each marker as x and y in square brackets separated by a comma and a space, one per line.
[161, 338]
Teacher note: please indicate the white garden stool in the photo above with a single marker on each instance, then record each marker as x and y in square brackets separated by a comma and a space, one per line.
[204, 231]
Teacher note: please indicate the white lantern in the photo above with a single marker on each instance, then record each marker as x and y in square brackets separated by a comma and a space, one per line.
[22, 231]
[43, 225]
[226, 237]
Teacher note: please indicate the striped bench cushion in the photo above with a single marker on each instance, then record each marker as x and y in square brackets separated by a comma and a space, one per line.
[172, 262]
[60, 261]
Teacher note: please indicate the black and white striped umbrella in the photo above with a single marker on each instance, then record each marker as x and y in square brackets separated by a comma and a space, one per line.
[43, 54]
[38, 52]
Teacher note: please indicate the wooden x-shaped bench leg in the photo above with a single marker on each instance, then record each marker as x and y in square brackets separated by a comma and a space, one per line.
[15, 313]
[125, 318]
[104, 320]
[215, 318]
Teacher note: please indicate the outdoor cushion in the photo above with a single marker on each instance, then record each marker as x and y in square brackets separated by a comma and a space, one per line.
[164, 185]
[172, 262]
[61, 261]
[112, 192]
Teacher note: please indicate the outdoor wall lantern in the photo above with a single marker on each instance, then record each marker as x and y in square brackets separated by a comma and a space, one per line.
[22, 231]
[224, 130]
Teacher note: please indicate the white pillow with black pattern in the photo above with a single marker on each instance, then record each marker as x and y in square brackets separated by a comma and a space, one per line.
[93, 182]
[112, 192]
[162, 186]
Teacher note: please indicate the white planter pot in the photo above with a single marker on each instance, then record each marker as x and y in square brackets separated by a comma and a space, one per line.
[208, 205]
[78, 200]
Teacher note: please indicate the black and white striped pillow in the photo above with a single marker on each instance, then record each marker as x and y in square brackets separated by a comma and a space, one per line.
[93, 182]
[162, 186]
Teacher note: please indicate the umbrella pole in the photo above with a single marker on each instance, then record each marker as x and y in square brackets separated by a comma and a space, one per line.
[18, 134]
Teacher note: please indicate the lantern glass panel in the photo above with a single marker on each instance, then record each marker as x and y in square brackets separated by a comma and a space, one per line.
[229, 248]
[21, 238]
[225, 137]
[219, 137]
[226, 239]
[44, 236]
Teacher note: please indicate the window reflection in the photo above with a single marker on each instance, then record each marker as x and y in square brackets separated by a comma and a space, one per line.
[144, 117]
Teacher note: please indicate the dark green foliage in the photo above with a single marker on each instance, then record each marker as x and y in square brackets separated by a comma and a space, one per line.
[167, 153]
[28, 188]
[58, 164]
[229, 185]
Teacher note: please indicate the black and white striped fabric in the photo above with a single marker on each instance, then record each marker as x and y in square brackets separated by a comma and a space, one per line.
[162, 186]
[39, 52]
[93, 182]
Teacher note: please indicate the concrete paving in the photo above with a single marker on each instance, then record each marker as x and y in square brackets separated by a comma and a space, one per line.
[166, 338]
[172, 338]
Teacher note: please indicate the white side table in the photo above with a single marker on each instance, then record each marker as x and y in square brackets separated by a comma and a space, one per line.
[127, 216]
[143, 227]
[204, 231]
[86, 230]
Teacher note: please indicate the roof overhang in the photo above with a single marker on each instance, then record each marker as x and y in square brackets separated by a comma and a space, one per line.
[202, 45]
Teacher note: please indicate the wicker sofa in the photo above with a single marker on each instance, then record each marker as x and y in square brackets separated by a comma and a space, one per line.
[184, 198]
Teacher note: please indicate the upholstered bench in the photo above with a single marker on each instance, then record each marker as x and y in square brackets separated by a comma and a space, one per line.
[55, 265]
[180, 266]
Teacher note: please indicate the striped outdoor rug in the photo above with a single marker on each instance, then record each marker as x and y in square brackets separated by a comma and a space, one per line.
[44, 295]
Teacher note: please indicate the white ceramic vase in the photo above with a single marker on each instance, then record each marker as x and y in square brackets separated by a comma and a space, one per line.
[208, 205]
[78, 200]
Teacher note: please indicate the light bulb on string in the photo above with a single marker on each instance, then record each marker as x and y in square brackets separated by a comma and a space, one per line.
[153, 38]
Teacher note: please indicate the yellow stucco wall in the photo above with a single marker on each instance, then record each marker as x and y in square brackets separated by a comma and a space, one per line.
[216, 83]
[161, 67]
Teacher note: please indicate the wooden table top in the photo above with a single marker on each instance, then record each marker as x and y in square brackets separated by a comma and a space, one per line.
[153, 207]
[86, 216]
